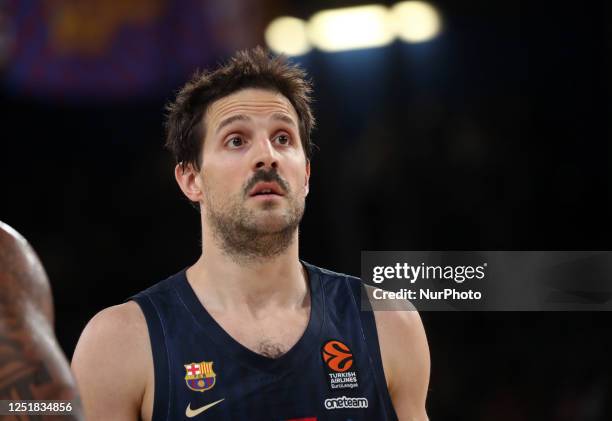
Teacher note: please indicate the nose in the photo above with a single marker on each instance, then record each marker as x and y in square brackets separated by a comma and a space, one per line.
[265, 157]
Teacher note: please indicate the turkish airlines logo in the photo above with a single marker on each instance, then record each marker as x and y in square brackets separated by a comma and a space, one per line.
[337, 356]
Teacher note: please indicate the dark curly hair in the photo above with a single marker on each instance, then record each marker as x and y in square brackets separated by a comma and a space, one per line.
[253, 68]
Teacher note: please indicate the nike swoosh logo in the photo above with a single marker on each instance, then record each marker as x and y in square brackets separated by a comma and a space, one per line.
[193, 412]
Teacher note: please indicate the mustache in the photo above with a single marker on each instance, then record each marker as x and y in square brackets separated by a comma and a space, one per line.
[266, 177]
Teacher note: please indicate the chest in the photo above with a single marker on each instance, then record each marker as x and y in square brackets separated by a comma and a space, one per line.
[271, 335]
[303, 384]
[208, 363]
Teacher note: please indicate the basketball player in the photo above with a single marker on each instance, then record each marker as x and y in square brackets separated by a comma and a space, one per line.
[250, 332]
[32, 366]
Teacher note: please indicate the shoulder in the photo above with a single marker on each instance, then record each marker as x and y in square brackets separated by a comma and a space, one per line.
[123, 321]
[112, 362]
[114, 330]
[22, 276]
[9, 238]
[405, 356]
[15, 252]
[399, 328]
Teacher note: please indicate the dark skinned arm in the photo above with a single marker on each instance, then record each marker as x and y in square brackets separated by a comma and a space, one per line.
[32, 365]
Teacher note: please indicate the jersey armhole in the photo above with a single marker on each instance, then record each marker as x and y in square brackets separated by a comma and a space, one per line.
[161, 375]
[370, 334]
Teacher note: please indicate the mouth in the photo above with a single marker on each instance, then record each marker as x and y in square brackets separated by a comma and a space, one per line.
[266, 190]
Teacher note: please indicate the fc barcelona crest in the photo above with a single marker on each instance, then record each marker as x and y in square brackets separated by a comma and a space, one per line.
[200, 377]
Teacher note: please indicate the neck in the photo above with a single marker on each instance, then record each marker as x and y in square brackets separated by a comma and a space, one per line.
[251, 284]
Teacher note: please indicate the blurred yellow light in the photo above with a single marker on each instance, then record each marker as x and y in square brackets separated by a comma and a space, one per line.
[287, 35]
[350, 28]
[415, 21]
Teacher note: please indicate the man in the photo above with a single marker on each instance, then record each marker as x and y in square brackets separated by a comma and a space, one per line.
[249, 331]
[32, 366]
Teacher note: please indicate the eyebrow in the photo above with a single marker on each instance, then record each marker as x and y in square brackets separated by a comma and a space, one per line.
[241, 117]
[230, 120]
[283, 117]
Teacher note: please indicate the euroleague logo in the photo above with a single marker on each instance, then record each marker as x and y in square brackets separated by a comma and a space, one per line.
[340, 365]
[337, 356]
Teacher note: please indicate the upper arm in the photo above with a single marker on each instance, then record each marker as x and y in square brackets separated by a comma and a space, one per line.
[31, 361]
[111, 363]
[406, 361]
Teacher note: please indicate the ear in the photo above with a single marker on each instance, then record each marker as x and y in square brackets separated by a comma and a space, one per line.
[307, 178]
[188, 179]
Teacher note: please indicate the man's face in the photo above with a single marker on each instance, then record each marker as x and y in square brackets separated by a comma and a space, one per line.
[254, 172]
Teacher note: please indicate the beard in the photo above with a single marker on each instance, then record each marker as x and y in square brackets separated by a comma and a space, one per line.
[257, 232]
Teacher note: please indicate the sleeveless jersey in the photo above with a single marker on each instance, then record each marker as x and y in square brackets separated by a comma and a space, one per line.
[333, 372]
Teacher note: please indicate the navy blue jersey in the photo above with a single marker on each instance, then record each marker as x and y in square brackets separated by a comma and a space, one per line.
[334, 371]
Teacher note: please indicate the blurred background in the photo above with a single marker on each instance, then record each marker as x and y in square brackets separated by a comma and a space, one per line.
[488, 131]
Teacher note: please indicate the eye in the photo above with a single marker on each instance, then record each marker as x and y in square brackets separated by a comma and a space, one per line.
[282, 139]
[235, 142]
